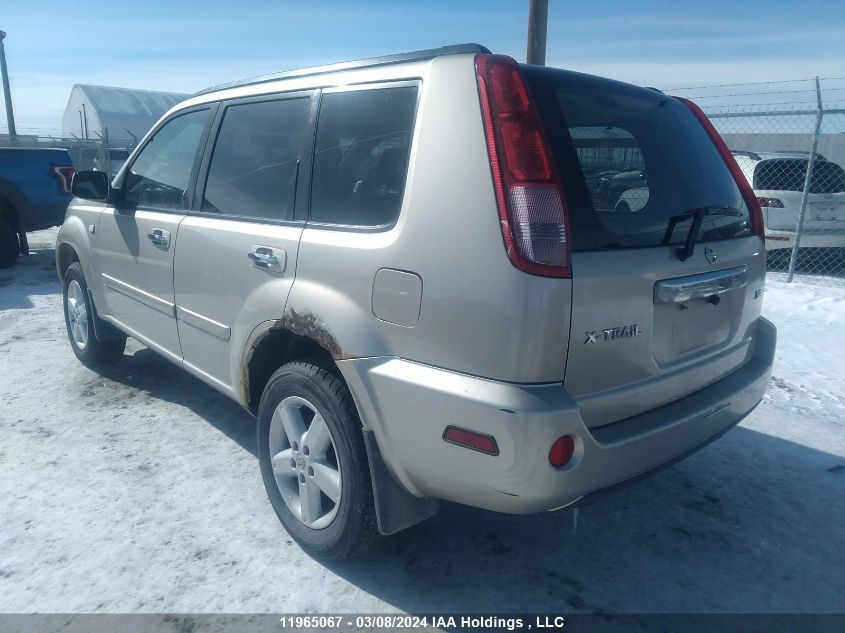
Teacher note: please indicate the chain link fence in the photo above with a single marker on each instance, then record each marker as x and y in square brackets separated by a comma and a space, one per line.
[788, 137]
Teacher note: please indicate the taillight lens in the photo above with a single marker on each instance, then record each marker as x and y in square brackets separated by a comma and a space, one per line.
[64, 174]
[532, 208]
[751, 202]
[771, 203]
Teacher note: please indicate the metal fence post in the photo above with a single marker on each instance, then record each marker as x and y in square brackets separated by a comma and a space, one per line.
[808, 179]
[107, 154]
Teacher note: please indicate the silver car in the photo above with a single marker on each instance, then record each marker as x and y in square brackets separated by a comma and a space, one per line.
[408, 269]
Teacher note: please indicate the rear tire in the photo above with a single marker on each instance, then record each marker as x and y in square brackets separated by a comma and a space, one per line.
[9, 245]
[79, 321]
[328, 529]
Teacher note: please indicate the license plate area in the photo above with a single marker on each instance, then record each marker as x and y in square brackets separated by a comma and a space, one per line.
[696, 313]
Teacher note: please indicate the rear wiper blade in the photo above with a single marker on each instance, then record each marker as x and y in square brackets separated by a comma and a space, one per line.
[697, 215]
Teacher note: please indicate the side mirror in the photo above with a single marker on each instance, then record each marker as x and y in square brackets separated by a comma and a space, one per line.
[91, 185]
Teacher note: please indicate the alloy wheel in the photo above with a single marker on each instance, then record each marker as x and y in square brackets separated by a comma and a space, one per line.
[305, 463]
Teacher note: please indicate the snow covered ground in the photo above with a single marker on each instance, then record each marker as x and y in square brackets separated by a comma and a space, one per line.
[140, 492]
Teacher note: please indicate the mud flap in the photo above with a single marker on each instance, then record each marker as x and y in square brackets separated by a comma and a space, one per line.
[103, 331]
[395, 508]
[24, 243]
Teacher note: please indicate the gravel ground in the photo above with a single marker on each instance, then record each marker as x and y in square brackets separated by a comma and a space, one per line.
[139, 491]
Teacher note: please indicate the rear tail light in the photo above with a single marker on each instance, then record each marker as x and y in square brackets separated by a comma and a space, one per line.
[754, 211]
[471, 439]
[532, 208]
[64, 175]
[771, 203]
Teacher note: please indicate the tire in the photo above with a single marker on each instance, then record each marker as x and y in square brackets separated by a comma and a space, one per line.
[335, 529]
[79, 322]
[9, 245]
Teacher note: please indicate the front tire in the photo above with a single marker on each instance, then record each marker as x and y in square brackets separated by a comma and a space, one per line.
[314, 463]
[79, 321]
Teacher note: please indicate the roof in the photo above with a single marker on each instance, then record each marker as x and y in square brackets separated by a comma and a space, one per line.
[129, 100]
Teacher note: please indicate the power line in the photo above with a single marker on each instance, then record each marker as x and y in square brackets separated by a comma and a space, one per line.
[755, 83]
[770, 103]
[751, 94]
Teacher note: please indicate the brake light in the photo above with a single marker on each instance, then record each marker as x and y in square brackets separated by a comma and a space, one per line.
[64, 175]
[529, 196]
[754, 211]
[771, 203]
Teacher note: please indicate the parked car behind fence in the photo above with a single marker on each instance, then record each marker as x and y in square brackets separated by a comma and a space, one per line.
[778, 180]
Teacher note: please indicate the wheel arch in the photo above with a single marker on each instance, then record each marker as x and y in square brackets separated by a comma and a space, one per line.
[273, 344]
[14, 203]
[65, 255]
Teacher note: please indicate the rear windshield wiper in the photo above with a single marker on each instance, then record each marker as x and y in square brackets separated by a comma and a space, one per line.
[697, 216]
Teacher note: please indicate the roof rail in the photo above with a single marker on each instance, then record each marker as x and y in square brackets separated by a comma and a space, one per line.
[430, 53]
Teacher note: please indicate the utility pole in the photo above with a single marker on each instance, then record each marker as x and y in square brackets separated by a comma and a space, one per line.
[538, 18]
[7, 92]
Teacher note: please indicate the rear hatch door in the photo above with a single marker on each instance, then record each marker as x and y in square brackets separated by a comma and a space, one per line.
[650, 324]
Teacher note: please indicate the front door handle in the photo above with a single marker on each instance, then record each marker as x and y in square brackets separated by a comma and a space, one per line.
[159, 237]
[267, 258]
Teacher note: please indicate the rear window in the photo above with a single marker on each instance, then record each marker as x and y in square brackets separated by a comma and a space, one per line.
[788, 174]
[632, 161]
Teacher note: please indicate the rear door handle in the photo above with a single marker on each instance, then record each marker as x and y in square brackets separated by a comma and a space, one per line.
[702, 286]
[159, 237]
[267, 258]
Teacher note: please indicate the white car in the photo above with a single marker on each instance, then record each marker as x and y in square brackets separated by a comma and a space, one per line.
[777, 179]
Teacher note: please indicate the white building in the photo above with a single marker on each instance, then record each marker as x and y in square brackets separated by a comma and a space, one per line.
[126, 113]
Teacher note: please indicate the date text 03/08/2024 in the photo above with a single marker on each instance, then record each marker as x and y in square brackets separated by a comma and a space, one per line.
[386, 621]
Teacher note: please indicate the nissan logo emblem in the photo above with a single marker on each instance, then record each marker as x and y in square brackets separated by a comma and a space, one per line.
[710, 255]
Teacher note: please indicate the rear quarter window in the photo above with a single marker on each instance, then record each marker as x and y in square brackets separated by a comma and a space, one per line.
[361, 155]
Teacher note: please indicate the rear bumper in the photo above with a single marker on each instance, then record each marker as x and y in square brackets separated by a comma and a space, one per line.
[45, 217]
[408, 405]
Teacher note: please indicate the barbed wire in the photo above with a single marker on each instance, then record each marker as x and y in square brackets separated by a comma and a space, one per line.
[755, 83]
[827, 104]
[754, 94]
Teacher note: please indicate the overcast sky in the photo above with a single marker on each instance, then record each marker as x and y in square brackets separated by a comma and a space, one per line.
[183, 46]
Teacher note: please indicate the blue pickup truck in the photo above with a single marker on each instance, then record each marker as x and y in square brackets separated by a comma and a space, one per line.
[34, 194]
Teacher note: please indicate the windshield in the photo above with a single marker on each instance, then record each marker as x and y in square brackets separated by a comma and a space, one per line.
[632, 160]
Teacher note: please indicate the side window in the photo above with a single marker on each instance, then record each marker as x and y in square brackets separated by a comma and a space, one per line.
[255, 161]
[361, 155]
[159, 176]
